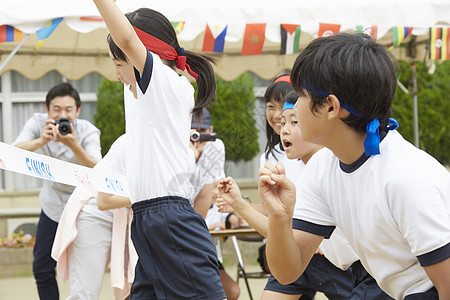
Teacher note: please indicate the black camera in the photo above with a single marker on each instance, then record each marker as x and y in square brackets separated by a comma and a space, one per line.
[202, 137]
[64, 126]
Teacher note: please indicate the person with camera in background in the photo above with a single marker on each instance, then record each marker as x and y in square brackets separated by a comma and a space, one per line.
[209, 152]
[59, 134]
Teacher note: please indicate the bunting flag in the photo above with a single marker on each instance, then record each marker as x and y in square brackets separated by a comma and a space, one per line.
[372, 30]
[399, 34]
[440, 43]
[326, 29]
[43, 33]
[290, 38]
[214, 40]
[10, 34]
[178, 26]
[254, 37]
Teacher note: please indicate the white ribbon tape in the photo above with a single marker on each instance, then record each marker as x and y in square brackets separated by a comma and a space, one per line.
[41, 166]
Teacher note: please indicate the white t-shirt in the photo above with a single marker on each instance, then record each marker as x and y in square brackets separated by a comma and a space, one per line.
[393, 209]
[54, 195]
[158, 127]
[214, 216]
[114, 163]
[209, 167]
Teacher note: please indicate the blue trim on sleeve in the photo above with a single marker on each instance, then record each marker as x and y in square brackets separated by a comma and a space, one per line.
[144, 81]
[434, 256]
[322, 230]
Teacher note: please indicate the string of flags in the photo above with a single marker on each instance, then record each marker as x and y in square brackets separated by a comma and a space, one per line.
[214, 38]
[11, 34]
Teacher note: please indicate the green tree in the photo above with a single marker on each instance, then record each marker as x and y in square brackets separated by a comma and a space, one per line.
[433, 109]
[232, 116]
[110, 116]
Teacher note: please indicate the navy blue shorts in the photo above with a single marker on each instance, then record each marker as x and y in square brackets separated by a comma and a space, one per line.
[177, 256]
[365, 286]
[320, 275]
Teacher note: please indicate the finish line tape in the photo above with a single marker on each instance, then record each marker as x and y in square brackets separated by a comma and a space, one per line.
[41, 166]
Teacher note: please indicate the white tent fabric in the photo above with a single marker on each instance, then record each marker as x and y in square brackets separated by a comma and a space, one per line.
[78, 47]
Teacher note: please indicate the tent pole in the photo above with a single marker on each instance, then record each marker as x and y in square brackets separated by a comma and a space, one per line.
[13, 52]
[415, 105]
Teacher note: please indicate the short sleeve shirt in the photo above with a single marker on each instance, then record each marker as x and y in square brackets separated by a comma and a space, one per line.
[158, 126]
[210, 165]
[53, 195]
[394, 209]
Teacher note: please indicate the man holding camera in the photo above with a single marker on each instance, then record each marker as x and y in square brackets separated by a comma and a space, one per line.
[209, 161]
[58, 134]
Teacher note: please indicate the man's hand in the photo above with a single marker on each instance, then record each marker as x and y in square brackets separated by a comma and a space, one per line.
[277, 191]
[48, 132]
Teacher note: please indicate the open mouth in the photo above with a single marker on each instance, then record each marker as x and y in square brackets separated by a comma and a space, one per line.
[286, 144]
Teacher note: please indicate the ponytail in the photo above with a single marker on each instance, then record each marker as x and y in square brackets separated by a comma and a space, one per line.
[206, 82]
[158, 35]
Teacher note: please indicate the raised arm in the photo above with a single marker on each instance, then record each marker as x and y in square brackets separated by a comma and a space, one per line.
[122, 33]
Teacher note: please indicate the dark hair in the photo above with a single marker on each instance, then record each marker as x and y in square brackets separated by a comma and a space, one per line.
[60, 90]
[276, 91]
[291, 97]
[157, 25]
[358, 71]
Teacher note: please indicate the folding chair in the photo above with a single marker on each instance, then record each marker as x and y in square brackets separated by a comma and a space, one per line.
[241, 273]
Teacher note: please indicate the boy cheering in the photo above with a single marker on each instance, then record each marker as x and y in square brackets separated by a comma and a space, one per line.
[390, 199]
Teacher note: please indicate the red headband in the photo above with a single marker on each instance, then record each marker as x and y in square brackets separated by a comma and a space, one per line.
[284, 78]
[165, 51]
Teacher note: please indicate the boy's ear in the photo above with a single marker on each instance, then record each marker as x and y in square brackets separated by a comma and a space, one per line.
[334, 108]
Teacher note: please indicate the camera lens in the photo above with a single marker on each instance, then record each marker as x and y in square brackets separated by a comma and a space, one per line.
[64, 126]
[195, 136]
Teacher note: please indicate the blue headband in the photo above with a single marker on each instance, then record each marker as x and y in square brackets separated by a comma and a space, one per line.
[372, 141]
[288, 105]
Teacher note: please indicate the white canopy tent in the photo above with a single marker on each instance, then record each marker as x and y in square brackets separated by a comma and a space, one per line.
[78, 47]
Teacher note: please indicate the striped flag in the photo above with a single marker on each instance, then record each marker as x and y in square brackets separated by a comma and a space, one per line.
[399, 34]
[43, 33]
[326, 29]
[178, 26]
[254, 37]
[440, 43]
[10, 34]
[214, 40]
[290, 38]
[372, 30]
